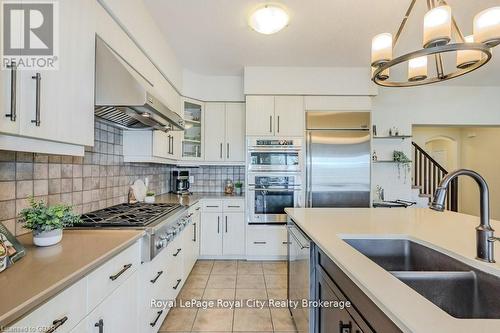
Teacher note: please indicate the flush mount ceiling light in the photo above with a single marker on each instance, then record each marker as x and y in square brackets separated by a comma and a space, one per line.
[442, 35]
[269, 19]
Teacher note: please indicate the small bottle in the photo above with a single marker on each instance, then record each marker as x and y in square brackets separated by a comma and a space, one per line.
[374, 156]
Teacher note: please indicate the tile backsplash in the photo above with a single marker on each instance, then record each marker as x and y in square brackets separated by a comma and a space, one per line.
[97, 180]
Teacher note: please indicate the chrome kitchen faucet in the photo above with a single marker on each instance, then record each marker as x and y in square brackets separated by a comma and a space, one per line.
[484, 232]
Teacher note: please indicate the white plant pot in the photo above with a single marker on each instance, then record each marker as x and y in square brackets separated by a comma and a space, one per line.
[47, 238]
[149, 199]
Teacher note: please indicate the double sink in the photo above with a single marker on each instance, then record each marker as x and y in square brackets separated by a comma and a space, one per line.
[457, 288]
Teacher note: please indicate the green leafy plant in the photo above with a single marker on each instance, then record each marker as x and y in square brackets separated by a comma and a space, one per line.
[39, 217]
[403, 163]
[150, 194]
[238, 184]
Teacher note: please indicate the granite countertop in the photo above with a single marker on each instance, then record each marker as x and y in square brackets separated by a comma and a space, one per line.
[448, 232]
[189, 200]
[44, 272]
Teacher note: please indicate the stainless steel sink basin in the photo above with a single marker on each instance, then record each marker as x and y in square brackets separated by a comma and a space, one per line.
[457, 288]
[405, 255]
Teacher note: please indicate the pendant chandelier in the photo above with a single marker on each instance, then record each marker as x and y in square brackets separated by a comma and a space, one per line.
[440, 27]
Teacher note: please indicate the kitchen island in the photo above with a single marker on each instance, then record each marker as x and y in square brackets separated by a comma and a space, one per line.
[450, 233]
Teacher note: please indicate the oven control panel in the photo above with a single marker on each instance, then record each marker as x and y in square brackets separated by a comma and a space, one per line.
[274, 142]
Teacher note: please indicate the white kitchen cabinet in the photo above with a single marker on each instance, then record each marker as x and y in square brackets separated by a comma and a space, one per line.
[215, 115]
[56, 106]
[290, 116]
[275, 115]
[152, 146]
[224, 132]
[222, 229]
[233, 239]
[235, 129]
[193, 144]
[266, 242]
[211, 234]
[62, 100]
[118, 312]
[260, 115]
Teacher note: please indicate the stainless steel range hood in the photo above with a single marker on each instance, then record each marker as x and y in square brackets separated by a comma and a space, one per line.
[123, 96]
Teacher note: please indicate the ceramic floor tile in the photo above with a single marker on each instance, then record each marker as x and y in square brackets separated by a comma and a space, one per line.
[252, 320]
[222, 282]
[248, 294]
[203, 267]
[250, 282]
[282, 320]
[276, 281]
[214, 320]
[196, 281]
[179, 320]
[275, 267]
[249, 267]
[215, 294]
[279, 294]
[187, 294]
[228, 267]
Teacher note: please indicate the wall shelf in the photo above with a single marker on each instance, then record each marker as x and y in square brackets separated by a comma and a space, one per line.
[388, 161]
[402, 137]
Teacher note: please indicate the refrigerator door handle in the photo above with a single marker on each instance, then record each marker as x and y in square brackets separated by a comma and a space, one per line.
[308, 197]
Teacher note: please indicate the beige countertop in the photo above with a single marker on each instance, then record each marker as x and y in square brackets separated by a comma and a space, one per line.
[448, 232]
[44, 272]
[189, 200]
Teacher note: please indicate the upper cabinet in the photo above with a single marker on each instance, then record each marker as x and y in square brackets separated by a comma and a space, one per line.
[275, 115]
[224, 132]
[56, 104]
[192, 145]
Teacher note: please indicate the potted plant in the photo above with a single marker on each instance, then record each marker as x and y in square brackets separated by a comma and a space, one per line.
[47, 222]
[238, 186]
[403, 162]
[150, 197]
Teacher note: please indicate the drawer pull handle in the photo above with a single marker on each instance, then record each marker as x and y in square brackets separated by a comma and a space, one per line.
[177, 284]
[117, 275]
[158, 315]
[233, 206]
[56, 324]
[177, 253]
[212, 206]
[194, 232]
[345, 328]
[156, 277]
[286, 243]
[100, 324]
[198, 208]
[260, 242]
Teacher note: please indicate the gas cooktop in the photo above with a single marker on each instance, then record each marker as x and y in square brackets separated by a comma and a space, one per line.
[127, 215]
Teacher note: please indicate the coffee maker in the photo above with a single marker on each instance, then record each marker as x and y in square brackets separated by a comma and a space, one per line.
[179, 182]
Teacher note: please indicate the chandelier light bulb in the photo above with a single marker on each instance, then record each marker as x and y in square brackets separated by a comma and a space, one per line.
[437, 26]
[269, 19]
[417, 69]
[381, 49]
[487, 27]
[468, 58]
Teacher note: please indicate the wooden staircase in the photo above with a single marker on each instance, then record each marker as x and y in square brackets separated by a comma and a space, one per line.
[427, 175]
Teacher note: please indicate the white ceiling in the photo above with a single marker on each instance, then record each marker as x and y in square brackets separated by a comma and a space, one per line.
[211, 37]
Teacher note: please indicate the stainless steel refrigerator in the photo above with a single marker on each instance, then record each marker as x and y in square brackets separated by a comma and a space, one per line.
[338, 159]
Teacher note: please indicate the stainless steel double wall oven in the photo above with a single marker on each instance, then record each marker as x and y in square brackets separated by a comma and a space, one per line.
[275, 168]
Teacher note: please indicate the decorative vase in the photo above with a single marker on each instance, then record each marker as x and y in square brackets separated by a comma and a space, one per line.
[149, 199]
[47, 238]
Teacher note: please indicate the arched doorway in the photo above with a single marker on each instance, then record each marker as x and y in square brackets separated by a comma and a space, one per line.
[444, 150]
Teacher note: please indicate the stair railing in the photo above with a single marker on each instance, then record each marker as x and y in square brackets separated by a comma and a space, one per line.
[427, 175]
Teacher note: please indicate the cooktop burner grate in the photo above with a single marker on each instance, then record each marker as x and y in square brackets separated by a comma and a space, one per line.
[126, 215]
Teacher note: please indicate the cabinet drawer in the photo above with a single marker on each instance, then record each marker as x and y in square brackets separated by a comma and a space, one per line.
[210, 205]
[266, 241]
[233, 205]
[104, 280]
[66, 309]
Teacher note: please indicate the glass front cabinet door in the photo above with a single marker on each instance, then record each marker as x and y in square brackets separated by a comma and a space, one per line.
[192, 145]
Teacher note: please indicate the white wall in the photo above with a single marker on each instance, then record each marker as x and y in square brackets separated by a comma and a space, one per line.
[308, 81]
[429, 105]
[213, 88]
